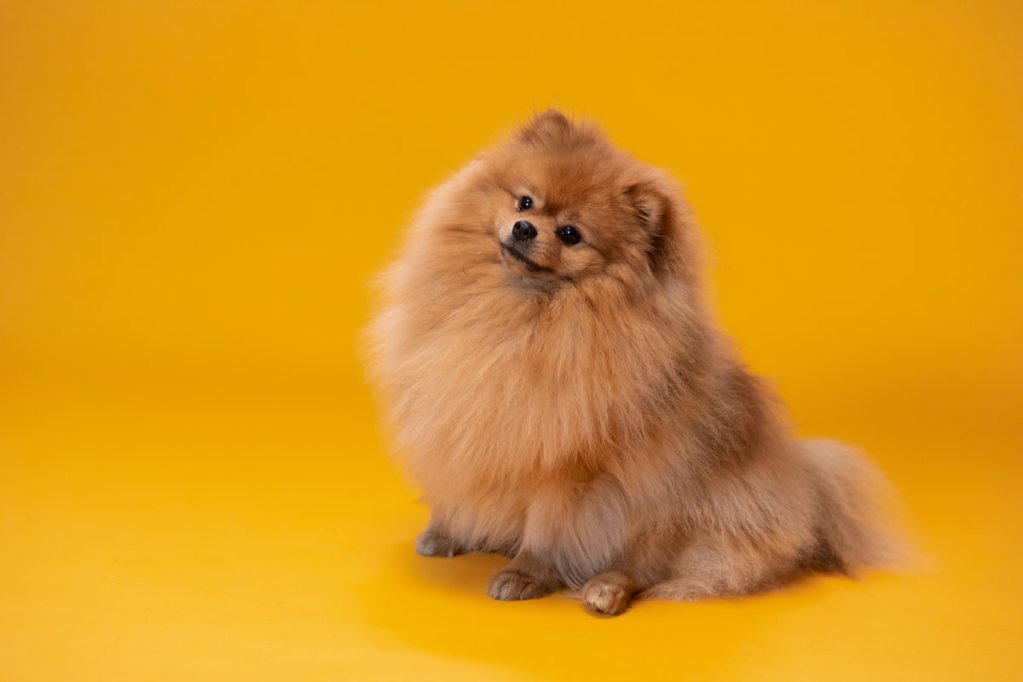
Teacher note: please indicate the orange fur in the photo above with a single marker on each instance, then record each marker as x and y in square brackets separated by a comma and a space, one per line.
[581, 413]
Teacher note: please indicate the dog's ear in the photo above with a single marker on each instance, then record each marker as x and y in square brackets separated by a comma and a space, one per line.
[546, 126]
[665, 219]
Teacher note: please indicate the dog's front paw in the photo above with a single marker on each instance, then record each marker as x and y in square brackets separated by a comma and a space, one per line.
[432, 543]
[605, 598]
[513, 585]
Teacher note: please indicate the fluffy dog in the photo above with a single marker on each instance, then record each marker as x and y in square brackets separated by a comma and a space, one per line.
[558, 388]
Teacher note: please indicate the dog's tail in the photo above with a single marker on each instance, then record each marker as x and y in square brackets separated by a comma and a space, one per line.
[859, 525]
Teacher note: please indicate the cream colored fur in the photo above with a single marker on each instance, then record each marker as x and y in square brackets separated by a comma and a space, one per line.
[584, 415]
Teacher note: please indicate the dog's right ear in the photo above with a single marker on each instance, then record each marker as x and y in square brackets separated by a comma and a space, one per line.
[546, 126]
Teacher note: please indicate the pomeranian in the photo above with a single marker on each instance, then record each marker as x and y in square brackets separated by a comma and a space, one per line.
[558, 388]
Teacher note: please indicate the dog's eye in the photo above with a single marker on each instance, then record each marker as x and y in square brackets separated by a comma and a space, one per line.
[569, 235]
[525, 203]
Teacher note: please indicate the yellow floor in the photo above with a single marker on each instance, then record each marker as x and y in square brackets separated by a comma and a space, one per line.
[255, 538]
[193, 196]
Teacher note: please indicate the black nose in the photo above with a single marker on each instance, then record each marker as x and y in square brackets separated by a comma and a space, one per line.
[523, 231]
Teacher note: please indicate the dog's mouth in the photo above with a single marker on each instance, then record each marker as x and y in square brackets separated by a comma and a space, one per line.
[522, 258]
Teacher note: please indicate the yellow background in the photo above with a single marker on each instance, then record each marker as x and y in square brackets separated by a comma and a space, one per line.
[194, 195]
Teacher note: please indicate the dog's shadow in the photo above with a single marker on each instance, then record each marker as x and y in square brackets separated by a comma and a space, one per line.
[464, 574]
[440, 606]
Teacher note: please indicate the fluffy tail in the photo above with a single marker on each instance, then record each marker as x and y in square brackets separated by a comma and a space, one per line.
[858, 527]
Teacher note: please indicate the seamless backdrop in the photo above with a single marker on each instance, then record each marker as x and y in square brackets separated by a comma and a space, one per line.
[195, 195]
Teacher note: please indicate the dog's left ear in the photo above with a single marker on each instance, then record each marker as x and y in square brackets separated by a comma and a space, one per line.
[666, 220]
[657, 212]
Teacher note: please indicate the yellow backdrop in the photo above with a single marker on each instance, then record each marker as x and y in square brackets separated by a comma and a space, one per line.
[194, 195]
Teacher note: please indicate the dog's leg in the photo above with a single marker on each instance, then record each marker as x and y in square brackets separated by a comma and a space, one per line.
[721, 567]
[608, 594]
[434, 541]
[525, 577]
[573, 529]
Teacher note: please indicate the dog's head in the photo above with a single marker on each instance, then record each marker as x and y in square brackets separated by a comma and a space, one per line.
[566, 206]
